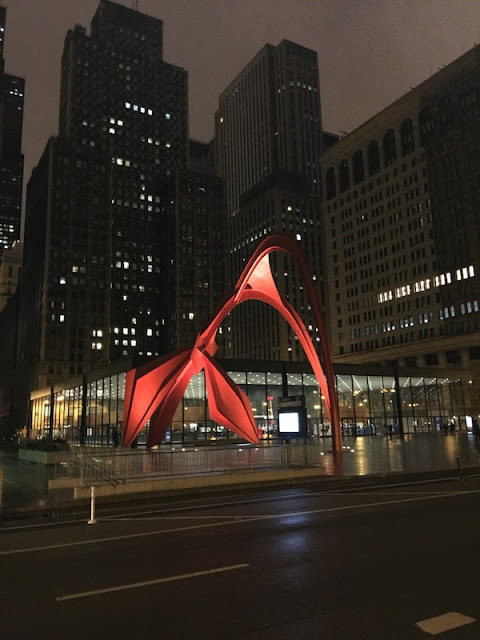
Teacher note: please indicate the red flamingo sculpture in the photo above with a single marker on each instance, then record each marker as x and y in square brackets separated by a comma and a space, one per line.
[154, 390]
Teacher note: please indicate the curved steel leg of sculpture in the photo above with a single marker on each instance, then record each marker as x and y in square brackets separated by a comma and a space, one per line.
[154, 390]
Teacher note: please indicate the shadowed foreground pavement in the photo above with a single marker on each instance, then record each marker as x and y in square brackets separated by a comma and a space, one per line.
[355, 564]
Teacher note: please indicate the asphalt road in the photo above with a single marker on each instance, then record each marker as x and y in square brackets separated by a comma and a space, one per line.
[366, 563]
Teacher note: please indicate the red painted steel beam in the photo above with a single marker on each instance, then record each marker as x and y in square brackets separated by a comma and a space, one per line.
[154, 390]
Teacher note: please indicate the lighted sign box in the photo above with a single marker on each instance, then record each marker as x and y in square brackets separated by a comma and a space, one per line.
[292, 420]
[289, 422]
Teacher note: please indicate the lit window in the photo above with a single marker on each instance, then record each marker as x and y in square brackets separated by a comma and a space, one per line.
[150, 112]
[191, 316]
[298, 236]
[471, 271]
[116, 330]
[99, 345]
[133, 343]
[149, 332]
[111, 130]
[142, 109]
[168, 145]
[62, 318]
[112, 120]
[119, 161]
[128, 105]
[120, 123]
[74, 269]
[168, 116]
[135, 107]
[94, 346]
[99, 333]
[126, 265]
[465, 272]
[63, 280]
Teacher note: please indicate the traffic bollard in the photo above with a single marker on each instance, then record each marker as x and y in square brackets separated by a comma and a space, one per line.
[92, 507]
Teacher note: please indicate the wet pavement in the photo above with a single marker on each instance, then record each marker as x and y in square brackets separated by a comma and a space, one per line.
[26, 484]
[410, 454]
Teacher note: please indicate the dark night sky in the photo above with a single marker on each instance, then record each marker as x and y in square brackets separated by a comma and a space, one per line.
[370, 52]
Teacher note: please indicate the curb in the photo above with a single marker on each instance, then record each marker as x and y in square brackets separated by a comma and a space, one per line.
[80, 506]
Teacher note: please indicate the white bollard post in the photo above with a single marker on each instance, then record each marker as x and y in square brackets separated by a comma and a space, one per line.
[92, 507]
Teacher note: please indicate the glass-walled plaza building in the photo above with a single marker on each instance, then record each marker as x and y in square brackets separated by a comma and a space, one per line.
[373, 401]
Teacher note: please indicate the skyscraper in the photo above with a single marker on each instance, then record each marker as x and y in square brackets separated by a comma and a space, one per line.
[92, 240]
[402, 227]
[11, 158]
[193, 278]
[268, 146]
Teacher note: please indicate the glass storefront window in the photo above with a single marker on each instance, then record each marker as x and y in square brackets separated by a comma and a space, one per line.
[257, 394]
[314, 406]
[195, 425]
[274, 391]
[368, 406]
[361, 403]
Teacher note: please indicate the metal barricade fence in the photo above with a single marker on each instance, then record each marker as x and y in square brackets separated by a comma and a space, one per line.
[121, 466]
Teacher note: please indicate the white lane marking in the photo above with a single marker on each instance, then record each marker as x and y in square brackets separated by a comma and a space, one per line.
[445, 622]
[160, 517]
[406, 493]
[253, 518]
[148, 583]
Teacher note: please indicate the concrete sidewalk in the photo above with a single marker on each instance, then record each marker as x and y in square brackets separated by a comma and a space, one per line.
[25, 485]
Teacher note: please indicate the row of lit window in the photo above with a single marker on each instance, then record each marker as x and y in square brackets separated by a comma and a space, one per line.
[423, 318]
[121, 162]
[136, 107]
[423, 285]
[126, 331]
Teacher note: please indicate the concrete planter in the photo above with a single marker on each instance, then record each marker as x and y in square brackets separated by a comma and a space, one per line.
[42, 457]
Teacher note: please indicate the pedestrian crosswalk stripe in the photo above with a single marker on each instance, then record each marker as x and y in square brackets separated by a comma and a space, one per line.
[445, 622]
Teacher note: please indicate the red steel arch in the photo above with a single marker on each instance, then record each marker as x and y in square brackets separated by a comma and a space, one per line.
[154, 390]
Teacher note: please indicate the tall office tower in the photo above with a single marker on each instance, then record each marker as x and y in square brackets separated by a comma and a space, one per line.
[10, 270]
[92, 272]
[11, 158]
[268, 145]
[402, 226]
[192, 266]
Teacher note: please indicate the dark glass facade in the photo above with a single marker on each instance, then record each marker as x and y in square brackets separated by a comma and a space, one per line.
[12, 91]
